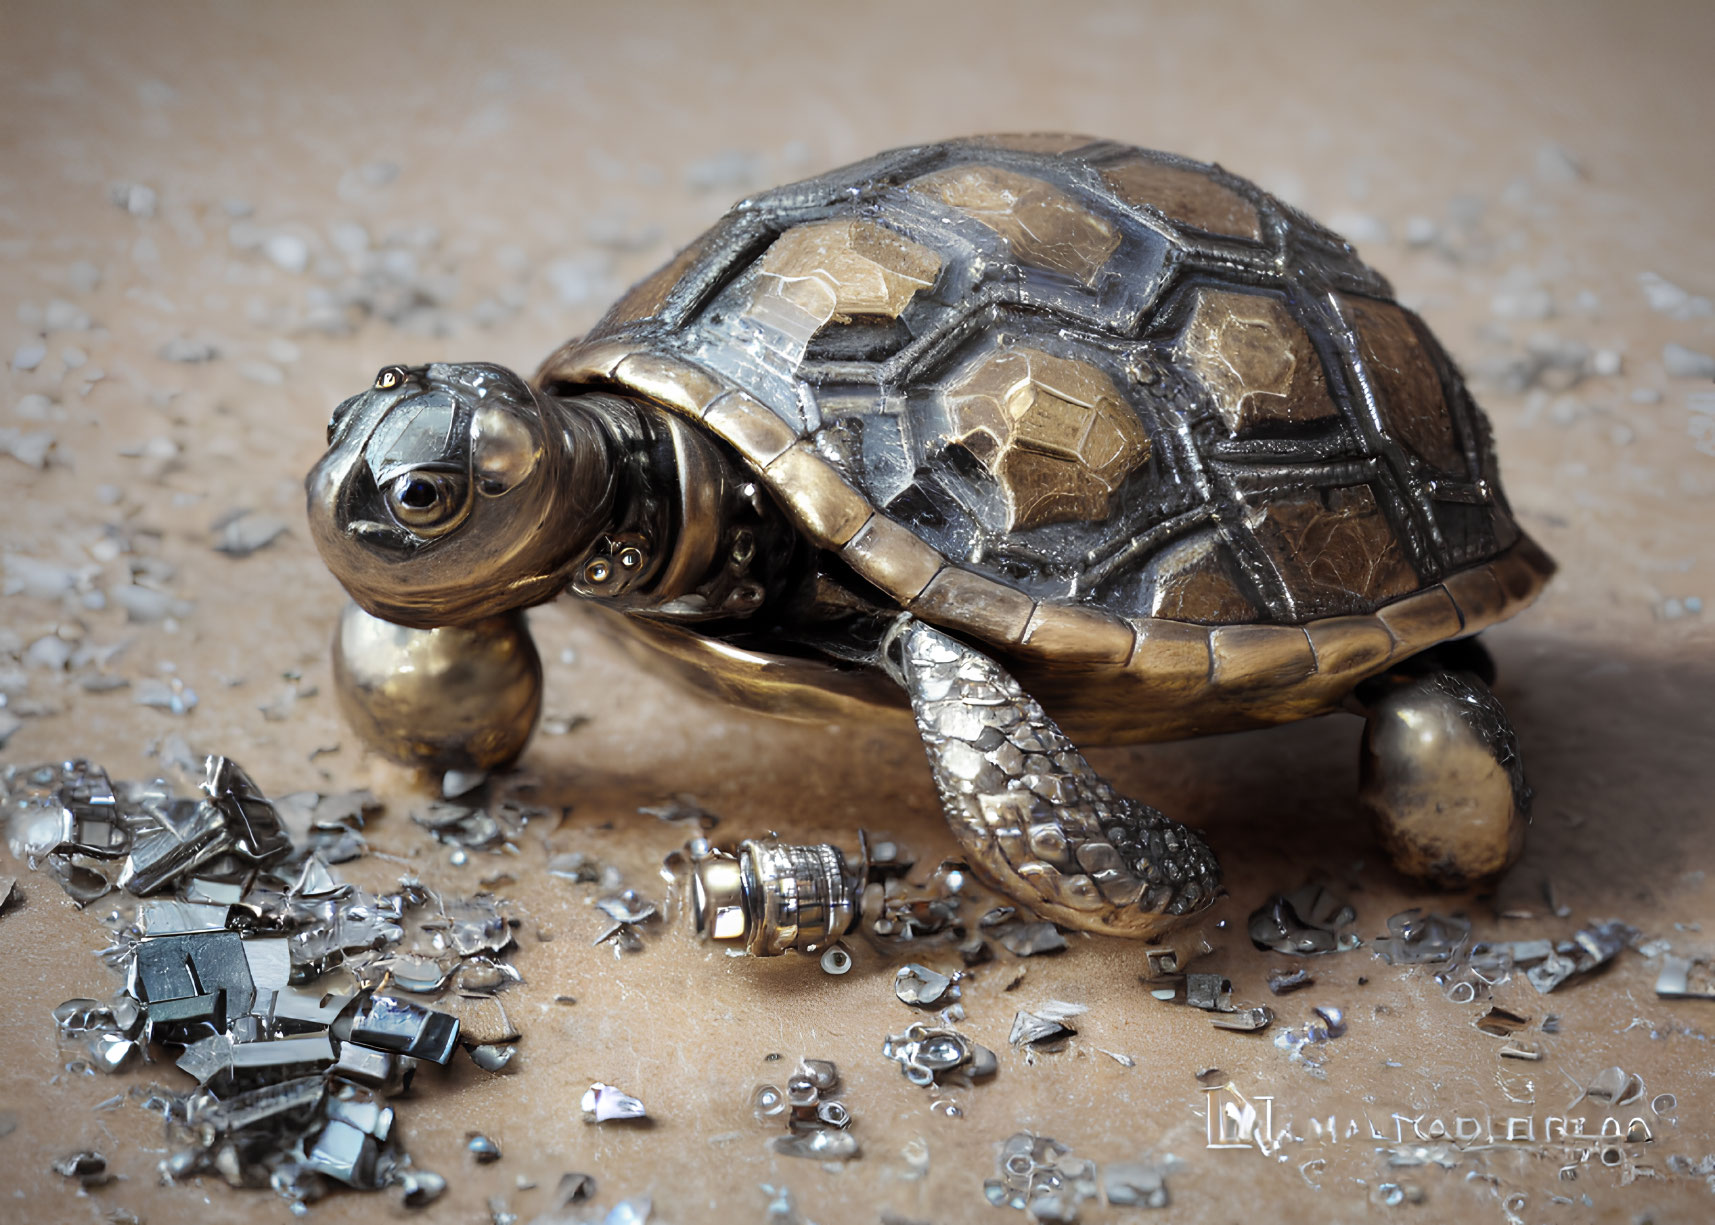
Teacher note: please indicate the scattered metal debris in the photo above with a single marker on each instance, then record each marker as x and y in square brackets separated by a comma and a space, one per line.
[1282, 982]
[1037, 1175]
[1677, 980]
[1589, 949]
[921, 987]
[836, 959]
[1210, 992]
[1245, 1020]
[1500, 1022]
[606, 1104]
[816, 1123]
[573, 1189]
[1306, 922]
[1047, 1027]
[482, 1148]
[931, 1055]
[270, 974]
[1416, 938]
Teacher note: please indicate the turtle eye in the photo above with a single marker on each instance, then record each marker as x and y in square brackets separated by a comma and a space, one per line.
[389, 378]
[423, 501]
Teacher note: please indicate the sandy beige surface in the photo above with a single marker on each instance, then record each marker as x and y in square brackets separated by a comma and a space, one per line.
[306, 192]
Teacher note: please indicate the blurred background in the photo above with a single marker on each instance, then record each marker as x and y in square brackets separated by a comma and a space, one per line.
[216, 222]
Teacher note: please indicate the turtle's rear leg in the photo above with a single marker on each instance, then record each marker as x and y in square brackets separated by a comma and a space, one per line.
[1440, 768]
[1034, 818]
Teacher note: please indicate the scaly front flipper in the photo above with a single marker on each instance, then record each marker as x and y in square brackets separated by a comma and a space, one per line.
[462, 697]
[1035, 820]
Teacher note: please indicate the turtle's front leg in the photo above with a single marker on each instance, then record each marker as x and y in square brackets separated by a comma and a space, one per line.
[1441, 773]
[1035, 820]
[461, 697]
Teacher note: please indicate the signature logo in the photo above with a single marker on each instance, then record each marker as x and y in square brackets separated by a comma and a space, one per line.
[1236, 1120]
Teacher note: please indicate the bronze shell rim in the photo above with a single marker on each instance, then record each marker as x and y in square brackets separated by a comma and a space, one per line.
[838, 517]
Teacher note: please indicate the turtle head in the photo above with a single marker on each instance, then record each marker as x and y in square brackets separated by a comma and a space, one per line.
[450, 493]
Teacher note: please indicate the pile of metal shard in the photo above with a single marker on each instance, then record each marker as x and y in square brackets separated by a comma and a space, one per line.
[285, 992]
[1038, 1175]
[816, 1124]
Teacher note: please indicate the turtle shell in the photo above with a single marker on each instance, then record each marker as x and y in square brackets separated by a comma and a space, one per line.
[1122, 415]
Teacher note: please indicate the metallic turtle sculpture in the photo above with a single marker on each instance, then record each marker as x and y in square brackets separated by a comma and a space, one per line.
[1055, 438]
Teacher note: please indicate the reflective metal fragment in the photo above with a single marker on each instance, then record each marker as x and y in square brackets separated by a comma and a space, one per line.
[1210, 992]
[1306, 922]
[305, 1050]
[1160, 963]
[1032, 939]
[1674, 980]
[168, 918]
[822, 1144]
[836, 959]
[921, 987]
[1588, 950]
[572, 1189]
[420, 1188]
[1283, 981]
[89, 1167]
[241, 1111]
[388, 1023]
[1245, 1020]
[482, 1148]
[927, 1055]
[251, 821]
[1416, 938]
[492, 1057]
[345, 1153]
[1139, 1184]
[1500, 1022]
[604, 1103]
[1030, 1029]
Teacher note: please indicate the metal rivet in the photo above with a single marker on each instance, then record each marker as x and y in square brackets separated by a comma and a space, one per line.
[630, 558]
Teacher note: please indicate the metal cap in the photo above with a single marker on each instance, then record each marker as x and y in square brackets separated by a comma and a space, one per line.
[772, 897]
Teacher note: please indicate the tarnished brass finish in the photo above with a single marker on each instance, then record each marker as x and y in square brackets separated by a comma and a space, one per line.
[759, 435]
[1412, 401]
[1060, 413]
[1439, 775]
[460, 697]
[1350, 648]
[1172, 660]
[702, 486]
[581, 362]
[821, 499]
[1042, 225]
[1162, 692]
[1330, 544]
[836, 269]
[1055, 433]
[1478, 596]
[1033, 142]
[1193, 581]
[1077, 635]
[996, 612]
[1256, 361]
[1268, 657]
[803, 688]
[1422, 619]
[892, 557]
[1183, 195]
[666, 380]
